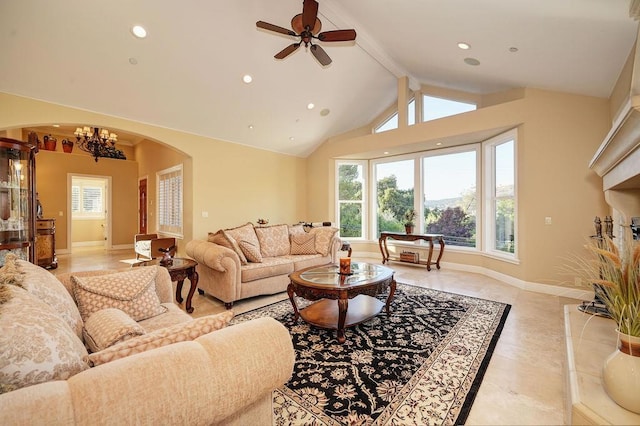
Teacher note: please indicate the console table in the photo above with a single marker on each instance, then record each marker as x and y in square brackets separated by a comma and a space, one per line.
[382, 242]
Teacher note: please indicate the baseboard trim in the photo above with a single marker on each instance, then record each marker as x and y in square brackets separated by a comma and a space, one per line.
[554, 290]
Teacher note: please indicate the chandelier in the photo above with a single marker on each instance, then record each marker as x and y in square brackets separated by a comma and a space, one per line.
[99, 143]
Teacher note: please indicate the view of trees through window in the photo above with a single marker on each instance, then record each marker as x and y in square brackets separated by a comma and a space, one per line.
[504, 197]
[350, 199]
[450, 197]
[394, 184]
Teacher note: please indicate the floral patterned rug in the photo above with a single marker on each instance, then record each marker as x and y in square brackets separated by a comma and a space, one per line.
[422, 364]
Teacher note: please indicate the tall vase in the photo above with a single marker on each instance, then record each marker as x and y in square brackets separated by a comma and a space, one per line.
[621, 373]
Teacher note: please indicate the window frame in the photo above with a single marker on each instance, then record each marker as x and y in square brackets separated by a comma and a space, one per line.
[364, 202]
[87, 182]
[489, 197]
[174, 230]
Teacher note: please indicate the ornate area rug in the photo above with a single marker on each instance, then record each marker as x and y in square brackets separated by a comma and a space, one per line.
[422, 364]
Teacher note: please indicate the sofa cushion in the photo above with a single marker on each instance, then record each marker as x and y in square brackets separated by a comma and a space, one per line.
[108, 327]
[241, 233]
[270, 266]
[301, 261]
[324, 236]
[37, 343]
[133, 291]
[303, 244]
[251, 252]
[296, 229]
[47, 288]
[174, 315]
[274, 240]
[165, 336]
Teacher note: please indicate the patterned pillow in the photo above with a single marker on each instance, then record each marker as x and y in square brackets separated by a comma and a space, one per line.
[37, 344]
[227, 241]
[163, 337]
[274, 240]
[109, 326]
[235, 247]
[133, 292]
[324, 236]
[251, 252]
[46, 287]
[303, 244]
[243, 233]
[296, 229]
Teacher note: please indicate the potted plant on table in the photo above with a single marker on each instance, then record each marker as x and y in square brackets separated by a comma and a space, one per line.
[615, 276]
[409, 221]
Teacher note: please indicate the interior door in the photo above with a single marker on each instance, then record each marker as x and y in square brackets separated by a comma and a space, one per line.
[142, 198]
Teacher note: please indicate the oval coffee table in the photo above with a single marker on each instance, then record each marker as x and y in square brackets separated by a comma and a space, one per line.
[342, 300]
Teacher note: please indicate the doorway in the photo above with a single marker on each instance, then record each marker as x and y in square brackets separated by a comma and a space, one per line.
[89, 211]
[142, 205]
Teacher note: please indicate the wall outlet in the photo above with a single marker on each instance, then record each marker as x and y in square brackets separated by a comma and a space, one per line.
[547, 220]
[205, 214]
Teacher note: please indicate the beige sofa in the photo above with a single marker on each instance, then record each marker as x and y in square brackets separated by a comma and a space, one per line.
[46, 373]
[247, 261]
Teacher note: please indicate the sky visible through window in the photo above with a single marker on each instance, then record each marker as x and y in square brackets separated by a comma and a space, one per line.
[455, 183]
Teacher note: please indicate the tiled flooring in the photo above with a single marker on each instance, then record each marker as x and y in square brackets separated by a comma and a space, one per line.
[524, 382]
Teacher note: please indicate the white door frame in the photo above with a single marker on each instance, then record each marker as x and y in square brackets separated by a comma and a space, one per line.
[108, 218]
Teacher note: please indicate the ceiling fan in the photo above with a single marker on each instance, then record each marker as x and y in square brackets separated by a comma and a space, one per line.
[307, 26]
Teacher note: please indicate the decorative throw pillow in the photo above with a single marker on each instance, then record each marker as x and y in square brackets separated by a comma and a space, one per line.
[165, 336]
[251, 252]
[242, 233]
[274, 240]
[109, 326]
[296, 229]
[303, 244]
[324, 236]
[37, 344]
[133, 292]
[46, 287]
[235, 247]
[220, 239]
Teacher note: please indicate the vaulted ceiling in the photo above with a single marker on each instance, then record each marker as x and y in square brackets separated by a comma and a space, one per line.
[187, 73]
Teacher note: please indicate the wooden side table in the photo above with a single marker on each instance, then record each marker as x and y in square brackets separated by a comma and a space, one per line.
[179, 270]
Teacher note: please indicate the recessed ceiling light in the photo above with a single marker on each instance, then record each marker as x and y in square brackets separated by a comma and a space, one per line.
[471, 61]
[310, 105]
[139, 31]
[386, 153]
[250, 126]
[55, 125]
[464, 46]
[292, 138]
[325, 112]
[133, 61]
[247, 78]
[513, 49]
[439, 143]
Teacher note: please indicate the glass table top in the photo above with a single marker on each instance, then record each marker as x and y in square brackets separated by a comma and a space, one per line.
[330, 274]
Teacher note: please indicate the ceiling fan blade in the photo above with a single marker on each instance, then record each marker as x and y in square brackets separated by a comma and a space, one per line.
[309, 13]
[337, 35]
[274, 28]
[287, 51]
[320, 54]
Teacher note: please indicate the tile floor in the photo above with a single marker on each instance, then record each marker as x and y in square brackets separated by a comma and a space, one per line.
[524, 383]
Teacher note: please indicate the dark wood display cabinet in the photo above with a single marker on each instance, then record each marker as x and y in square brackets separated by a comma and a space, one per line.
[46, 243]
[17, 199]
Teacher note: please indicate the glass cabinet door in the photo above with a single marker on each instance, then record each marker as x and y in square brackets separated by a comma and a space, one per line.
[17, 199]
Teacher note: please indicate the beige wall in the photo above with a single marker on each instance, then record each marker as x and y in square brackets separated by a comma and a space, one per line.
[52, 168]
[557, 136]
[87, 230]
[233, 183]
[152, 158]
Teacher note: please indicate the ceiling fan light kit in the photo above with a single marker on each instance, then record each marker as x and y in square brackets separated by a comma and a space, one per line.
[307, 26]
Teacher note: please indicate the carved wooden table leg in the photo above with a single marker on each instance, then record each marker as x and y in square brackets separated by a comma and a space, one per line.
[343, 305]
[441, 241]
[430, 255]
[392, 291]
[193, 279]
[179, 290]
[291, 291]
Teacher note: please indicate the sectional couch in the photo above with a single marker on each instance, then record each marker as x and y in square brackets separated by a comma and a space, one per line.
[111, 347]
[246, 261]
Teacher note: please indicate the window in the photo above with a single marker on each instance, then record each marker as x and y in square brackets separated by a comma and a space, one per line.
[351, 199]
[450, 196]
[169, 183]
[500, 204]
[434, 108]
[394, 194]
[392, 122]
[88, 198]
